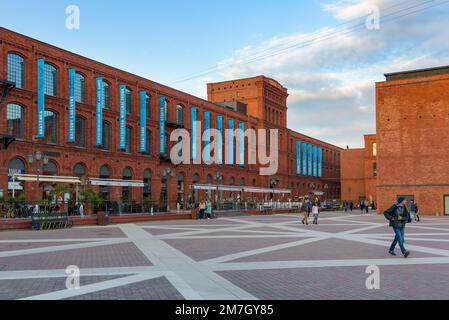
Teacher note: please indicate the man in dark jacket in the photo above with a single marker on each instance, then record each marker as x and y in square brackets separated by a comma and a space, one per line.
[399, 216]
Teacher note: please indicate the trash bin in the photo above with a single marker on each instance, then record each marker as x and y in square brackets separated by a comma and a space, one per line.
[102, 218]
[194, 214]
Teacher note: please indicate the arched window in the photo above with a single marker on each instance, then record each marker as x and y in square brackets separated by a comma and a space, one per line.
[232, 181]
[180, 115]
[148, 142]
[106, 95]
[17, 164]
[80, 140]
[106, 135]
[128, 101]
[242, 182]
[79, 170]
[79, 88]
[254, 182]
[208, 179]
[50, 126]
[50, 80]
[16, 69]
[148, 104]
[15, 121]
[50, 169]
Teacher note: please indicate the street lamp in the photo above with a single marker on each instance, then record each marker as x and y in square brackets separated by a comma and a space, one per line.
[5, 89]
[38, 157]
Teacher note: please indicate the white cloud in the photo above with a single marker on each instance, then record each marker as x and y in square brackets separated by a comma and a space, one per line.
[331, 82]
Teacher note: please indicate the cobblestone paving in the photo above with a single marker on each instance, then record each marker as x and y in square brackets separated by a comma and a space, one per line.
[261, 257]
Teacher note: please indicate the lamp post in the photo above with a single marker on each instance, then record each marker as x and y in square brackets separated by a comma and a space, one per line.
[38, 157]
[218, 178]
[5, 90]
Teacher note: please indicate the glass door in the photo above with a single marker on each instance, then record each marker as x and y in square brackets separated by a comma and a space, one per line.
[446, 205]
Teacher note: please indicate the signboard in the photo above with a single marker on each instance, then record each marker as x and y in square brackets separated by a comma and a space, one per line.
[122, 119]
[241, 138]
[220, 140]
[230, 142]
[40, 99]
[143, 122]
[117, 183]
[320, 162]
[315, 161]
[72, 106]
[207, 137]
[193, 129]
[99, 84]
[162, 120]
[304, 158]
[298, 157]
[14, 184]
[309, 160]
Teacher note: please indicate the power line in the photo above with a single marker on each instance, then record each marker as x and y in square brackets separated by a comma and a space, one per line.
[328, 36]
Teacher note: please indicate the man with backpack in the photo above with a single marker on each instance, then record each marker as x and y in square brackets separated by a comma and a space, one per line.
[399, 216]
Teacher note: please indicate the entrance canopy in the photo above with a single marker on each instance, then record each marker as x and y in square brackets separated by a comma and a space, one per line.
[116, 183]
[43, 178]
[239, 189]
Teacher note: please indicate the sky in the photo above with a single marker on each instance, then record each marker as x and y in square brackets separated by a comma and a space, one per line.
[328, 53]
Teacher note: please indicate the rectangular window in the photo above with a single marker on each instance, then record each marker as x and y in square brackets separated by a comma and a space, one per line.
[128, 101]
[105, 95]
[80, 140]
[49, 80]
[128, 140]
[375, 169]
[106, 135]
[374, 149]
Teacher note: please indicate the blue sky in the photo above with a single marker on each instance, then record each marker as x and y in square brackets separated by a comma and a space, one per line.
[331, 83]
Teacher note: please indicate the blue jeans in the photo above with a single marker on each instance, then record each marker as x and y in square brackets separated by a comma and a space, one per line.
[399, 238]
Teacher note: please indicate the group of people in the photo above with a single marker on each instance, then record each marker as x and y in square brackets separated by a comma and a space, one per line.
[364, 206]
[312, 208]
[205, 209]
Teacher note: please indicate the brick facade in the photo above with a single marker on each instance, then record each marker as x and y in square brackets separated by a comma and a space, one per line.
[259, 94]
[412, 130]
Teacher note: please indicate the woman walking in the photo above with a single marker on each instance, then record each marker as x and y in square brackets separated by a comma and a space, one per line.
[208, 209]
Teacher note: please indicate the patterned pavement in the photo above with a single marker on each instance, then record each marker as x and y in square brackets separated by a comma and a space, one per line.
[250, 258]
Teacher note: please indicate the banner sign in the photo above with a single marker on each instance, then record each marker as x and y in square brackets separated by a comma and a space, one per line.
[230, 160]
[193, 133]
[162, 120]
[122, 120]
[320, 162]
[40, 99]
[309, 158]
[315, 161]
[298, 157]
[304, 158]
[13, 184]
[143, 122]
[72, 106]
[220, 140]
[241, 138]
[99, 98]
[207, 137]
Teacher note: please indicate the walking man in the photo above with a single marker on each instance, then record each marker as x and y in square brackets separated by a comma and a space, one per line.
[315, 212]
[366, 205]
[351, 206]
[399, 216]
[414, 211]
[345, 204]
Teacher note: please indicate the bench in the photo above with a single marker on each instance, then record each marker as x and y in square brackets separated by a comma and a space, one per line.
[49, 221]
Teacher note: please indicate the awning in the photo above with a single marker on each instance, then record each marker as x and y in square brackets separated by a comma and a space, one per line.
[116, 183]
[42, 178]
[240, 189]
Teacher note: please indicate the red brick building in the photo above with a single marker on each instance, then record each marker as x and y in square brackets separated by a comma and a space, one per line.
[412, 139]
[359, 172]
[257, 102]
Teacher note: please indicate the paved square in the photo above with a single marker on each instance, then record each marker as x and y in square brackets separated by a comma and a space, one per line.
[263, 257]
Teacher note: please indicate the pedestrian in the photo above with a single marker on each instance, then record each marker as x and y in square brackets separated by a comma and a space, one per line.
[315, 212]
[208, 209]
[416, 211]
[345, 204]
[399, 216]
[366, 205]
[81, 209]
[305, 220]
[361, 206]
[351, 206]
[202, 208]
